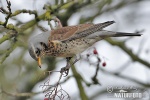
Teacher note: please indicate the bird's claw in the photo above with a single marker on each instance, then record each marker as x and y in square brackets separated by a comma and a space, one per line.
[64, 70]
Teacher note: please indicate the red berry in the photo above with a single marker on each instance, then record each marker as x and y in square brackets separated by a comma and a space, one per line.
[104, 64]
[46, 99]
[95, 51]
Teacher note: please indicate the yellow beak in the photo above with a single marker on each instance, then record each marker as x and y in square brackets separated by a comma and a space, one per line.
[39, 62]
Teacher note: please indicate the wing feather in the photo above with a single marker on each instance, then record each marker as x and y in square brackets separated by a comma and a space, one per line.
[79, 31]
[67, 32]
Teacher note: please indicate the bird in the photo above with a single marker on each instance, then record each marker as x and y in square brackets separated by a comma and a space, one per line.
[69, 41]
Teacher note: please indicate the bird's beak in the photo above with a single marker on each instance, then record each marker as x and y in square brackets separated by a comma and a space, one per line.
[39, 62]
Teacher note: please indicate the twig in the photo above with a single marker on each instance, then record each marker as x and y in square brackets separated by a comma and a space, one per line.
[8, 36]
[108, 9]
[7, 53]
[50, 25]
[2, 10]
[128, 51]
[127, 78]
[124, 66]
[25, 11]
[94, 79]
[9, 14]
[59, 24]
[42, 28]
[19, 94]
[52, 91]
[141, 46]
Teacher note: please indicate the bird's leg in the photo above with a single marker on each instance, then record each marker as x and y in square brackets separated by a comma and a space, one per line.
[58, 21]
[66, 68]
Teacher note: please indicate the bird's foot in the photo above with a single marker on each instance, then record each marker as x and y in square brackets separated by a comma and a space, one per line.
[65, 69]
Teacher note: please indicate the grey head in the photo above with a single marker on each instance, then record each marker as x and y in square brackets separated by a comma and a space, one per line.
[37, 43]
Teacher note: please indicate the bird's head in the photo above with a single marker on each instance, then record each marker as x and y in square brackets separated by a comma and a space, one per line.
[37, 45]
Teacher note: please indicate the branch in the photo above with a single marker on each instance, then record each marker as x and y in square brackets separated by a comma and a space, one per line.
[19, 94]
[79, 83]
[108, 9]
[118, 74]
[129, 52]
[7, 53]
[2, 10]
[19, 30]
[24, 11]
[9, 13]
[8, 36]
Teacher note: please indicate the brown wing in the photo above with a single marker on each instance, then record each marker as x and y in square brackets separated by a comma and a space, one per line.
[68, 31]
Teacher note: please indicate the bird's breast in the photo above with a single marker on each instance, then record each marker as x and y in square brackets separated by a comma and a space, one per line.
[69, 48]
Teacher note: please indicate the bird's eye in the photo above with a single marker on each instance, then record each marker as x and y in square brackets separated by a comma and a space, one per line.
[37, 52]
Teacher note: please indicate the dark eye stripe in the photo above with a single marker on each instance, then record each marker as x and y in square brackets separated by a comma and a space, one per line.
[44, 45]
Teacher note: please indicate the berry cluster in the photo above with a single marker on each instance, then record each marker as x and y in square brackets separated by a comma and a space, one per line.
[95, 52]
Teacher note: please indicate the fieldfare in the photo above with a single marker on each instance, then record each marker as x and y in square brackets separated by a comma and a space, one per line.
[70, 40]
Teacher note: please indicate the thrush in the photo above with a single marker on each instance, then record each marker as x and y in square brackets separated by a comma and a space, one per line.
[70, 40]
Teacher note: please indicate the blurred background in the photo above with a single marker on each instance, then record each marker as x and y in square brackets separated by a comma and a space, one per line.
[127, 59]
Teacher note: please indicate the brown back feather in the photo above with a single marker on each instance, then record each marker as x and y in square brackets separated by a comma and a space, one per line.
[79, 31]
[68, 31]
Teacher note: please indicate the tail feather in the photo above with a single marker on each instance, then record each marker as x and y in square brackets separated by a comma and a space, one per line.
[105, 34]
[120, 34]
